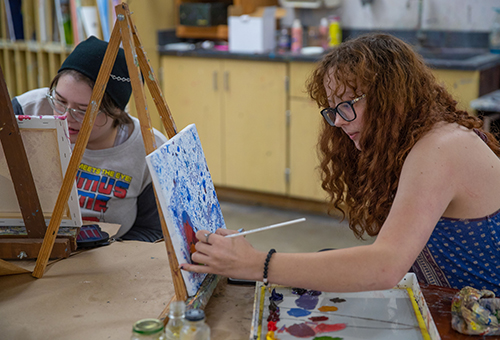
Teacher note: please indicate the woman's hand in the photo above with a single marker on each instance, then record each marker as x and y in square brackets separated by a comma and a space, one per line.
[232, 257]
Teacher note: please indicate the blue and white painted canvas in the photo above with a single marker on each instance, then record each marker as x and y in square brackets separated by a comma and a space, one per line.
[186, 194]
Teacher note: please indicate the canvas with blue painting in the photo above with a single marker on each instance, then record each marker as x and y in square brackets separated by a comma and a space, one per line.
[186, 194]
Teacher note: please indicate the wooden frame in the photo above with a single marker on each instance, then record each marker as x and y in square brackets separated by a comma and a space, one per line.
[45, 139]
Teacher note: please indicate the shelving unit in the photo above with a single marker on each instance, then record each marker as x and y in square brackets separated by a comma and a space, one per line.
[221, 31]
[32, 63]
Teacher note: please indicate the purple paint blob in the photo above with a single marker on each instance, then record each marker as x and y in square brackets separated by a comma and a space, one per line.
[301, 330]
[276, 297]
[298, 312]
[307, 301]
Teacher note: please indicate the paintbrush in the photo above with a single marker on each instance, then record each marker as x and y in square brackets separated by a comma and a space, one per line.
[267, 228]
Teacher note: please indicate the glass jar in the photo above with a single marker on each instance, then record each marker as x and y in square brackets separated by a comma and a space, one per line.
[175, 320]
[195, 327]
[148, 329]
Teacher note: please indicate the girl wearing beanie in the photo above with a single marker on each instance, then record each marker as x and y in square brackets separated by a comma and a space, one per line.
[113, 181]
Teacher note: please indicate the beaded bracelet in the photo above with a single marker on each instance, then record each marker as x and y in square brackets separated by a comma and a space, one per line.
[266, 265]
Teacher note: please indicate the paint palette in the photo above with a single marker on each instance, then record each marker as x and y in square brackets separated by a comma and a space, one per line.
[282, 313]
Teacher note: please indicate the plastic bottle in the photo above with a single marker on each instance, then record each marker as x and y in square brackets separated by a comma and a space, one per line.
[495, 32]
[148, 329]
[296, 45]
[175, 320]
[323, 33]
[334, 30]
[195, 327]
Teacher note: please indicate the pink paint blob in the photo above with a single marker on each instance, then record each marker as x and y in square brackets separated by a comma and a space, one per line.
[325, 328]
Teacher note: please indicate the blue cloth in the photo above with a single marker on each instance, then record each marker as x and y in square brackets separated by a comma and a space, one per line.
[462, 252]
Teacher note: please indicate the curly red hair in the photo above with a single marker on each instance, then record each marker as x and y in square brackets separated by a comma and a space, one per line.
[403, 101]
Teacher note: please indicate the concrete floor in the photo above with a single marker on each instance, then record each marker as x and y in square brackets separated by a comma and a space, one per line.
[317, 232]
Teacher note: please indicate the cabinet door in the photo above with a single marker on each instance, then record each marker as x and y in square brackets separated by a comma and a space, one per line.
[305, 124]
[255, 125]
[463, 85]
[191, 87]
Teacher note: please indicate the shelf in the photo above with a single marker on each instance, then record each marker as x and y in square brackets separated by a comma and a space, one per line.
[211, 32]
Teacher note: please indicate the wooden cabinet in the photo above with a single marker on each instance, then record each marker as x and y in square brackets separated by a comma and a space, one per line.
[256, 134]
[239, 108]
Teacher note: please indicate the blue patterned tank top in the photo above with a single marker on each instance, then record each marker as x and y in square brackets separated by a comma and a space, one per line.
[462, 252]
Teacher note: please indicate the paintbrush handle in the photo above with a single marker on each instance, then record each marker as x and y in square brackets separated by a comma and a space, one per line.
[267, 228]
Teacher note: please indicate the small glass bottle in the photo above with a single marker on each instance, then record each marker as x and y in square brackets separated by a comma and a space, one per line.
[283, 41]
[175, 320]
[148, 329]
[195, 327]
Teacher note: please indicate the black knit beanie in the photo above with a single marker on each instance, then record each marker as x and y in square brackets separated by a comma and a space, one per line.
[87, 58]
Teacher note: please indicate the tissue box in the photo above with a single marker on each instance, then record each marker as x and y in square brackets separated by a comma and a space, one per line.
[252, 33]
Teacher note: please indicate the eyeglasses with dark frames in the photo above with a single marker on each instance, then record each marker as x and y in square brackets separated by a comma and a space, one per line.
[61, 108]
[344, 109]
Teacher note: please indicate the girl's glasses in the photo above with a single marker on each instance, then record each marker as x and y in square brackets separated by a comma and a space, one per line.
[344, 109]
[61, 108]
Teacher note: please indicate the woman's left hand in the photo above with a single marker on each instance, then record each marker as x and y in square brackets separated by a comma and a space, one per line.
[232, 257]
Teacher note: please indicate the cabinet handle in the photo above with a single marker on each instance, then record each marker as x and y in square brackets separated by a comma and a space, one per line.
[226, 80]
[214, 78]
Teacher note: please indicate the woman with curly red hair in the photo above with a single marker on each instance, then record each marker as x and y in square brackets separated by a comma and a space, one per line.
[403, 163]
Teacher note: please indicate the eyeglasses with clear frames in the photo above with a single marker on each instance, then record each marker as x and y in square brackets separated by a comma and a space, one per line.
[344, 109]
[61, 108]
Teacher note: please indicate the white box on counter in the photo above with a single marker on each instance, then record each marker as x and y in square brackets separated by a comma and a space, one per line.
[252, 33]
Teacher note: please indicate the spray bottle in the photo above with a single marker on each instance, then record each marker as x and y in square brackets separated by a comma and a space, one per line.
[296, 34]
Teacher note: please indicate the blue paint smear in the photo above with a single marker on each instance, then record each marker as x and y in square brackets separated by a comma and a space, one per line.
[298, 312]
[307, 301]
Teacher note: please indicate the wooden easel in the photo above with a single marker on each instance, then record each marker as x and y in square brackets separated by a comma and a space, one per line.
[125, 32]
[24, 186]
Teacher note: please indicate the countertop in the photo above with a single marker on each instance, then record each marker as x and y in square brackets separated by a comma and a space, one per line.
[455, 59]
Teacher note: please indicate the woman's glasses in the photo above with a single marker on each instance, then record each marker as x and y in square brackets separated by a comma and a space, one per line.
[344, 109]
[61, 108]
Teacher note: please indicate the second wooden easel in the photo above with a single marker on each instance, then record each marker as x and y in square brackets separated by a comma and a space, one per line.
[125, 32]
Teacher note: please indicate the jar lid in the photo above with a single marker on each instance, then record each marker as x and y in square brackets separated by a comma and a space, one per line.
[148, 326]
[195, 315]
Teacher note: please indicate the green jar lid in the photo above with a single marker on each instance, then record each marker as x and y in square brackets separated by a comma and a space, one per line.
[148, 326]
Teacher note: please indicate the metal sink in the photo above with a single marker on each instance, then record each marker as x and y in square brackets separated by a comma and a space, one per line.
[451, 53]
[461, 58]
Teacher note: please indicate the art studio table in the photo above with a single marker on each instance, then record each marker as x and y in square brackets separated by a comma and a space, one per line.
[100, 293]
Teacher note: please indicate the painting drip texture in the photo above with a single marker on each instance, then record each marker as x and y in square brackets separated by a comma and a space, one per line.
[186, 194]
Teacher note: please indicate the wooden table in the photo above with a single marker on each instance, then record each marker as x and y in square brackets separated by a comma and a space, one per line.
[100, 293]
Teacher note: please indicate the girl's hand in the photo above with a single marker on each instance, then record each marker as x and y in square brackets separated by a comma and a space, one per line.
[232, 257]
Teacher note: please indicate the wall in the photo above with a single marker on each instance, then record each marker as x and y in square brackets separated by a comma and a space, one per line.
[437, 15]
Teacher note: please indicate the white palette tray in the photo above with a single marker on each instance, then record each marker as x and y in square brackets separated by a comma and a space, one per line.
[398, 313]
